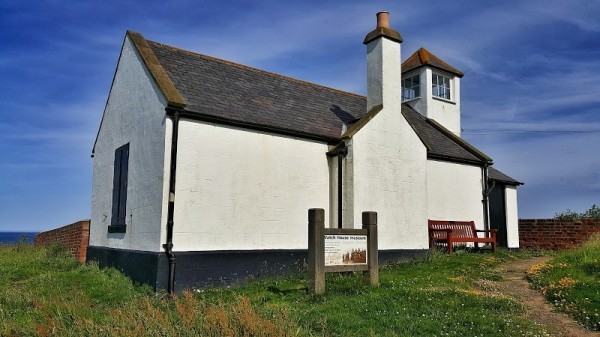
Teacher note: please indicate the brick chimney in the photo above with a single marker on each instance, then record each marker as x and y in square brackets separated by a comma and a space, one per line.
[384, 75]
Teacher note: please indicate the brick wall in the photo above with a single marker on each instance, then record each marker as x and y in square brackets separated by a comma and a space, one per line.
[556, 234]
[75, 237]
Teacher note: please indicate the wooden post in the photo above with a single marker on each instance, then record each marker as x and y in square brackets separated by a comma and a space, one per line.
[369, 222]
[316, 250]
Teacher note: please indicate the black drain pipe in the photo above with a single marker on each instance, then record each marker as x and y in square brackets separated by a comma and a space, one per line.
[340, 151]
[487, 189]
[174, 114]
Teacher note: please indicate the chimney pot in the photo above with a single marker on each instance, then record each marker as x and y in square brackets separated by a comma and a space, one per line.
[383, 20]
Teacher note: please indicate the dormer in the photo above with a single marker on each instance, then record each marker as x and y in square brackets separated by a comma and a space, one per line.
[432, 87]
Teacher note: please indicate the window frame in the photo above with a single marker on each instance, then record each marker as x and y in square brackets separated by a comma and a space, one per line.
[416, 93]
[446, 86]
[119, 195]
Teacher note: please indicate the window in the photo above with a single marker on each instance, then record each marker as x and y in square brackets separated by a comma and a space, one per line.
[410, 88]
[441, 86]
[119, 200]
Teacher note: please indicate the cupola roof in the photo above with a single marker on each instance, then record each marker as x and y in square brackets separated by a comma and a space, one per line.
[424, 58]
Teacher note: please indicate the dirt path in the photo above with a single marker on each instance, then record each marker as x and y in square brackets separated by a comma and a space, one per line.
[537, 309]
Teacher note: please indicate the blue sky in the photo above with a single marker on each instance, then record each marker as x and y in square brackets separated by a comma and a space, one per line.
[530, 95]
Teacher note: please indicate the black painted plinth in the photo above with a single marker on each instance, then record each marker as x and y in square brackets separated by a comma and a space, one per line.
[196, 270]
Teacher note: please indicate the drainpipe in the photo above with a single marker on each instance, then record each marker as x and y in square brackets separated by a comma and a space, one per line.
[487, 189]
[174, 114]
[340, 151]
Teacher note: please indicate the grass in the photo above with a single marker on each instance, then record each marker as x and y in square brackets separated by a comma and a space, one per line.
[571, 281]
[46, 293]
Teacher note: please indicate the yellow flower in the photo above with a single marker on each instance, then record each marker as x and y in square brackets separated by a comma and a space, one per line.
[536, 269]
[566, 282]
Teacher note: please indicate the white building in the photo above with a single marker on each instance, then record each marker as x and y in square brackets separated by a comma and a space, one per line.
[204, 170]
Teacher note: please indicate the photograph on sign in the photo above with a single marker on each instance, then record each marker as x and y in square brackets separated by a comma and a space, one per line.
[345, 250]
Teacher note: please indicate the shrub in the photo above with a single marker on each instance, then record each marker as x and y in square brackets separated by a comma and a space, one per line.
[592, 213]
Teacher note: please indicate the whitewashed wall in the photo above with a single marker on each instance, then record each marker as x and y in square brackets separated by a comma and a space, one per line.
[134, 114]
[446, 112]
[333, 191]
[389, 168]
[512, 216]
[239, 189]
[454, 192]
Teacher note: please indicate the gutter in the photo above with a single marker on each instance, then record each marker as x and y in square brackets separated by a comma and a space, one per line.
[206, 117]
[446, 158]
[174, 114]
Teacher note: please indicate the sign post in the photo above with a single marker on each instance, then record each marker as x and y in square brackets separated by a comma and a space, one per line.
[316, 250]
[333, 250]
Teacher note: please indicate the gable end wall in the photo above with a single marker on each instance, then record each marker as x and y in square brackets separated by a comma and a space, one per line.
[135, 114]
[390, 177]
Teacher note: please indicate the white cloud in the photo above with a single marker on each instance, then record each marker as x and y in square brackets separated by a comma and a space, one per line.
[60, 73]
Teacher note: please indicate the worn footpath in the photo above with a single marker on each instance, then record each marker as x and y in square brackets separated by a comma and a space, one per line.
[536, 308]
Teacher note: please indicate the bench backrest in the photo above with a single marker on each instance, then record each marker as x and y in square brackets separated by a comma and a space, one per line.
[461, 229]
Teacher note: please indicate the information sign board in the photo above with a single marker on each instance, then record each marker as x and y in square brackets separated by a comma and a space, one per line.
[345, 250]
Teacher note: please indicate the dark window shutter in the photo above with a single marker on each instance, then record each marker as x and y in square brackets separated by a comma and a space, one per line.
[116, 190]
[119, 198]
[123, 184]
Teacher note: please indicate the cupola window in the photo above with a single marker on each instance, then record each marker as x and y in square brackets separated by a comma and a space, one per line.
[411, 87]
[441, 86]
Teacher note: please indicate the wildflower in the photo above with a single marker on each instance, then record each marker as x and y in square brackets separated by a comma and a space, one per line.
[536, 269]
[566, 282]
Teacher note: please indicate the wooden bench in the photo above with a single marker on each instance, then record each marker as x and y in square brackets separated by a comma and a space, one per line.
[450, 232]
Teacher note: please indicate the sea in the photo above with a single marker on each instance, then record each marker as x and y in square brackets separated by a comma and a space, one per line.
[9, 238]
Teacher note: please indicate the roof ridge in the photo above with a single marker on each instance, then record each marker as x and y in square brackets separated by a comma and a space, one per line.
[424, 55]
[239, 65]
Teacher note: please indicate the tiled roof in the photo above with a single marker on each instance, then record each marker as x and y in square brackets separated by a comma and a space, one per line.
[423, 57]
[227, 92]
[231, 91]
[494, 174]
[440, 144]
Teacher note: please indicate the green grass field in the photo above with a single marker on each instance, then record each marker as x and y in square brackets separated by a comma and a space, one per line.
[44, 292]
[571, 281]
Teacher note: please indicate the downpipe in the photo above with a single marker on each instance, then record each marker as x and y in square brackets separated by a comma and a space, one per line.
[175, 115]
[487, 189]
[340, 151]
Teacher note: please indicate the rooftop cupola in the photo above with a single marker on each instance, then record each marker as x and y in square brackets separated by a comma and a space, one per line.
[383, 65]
[432, 87]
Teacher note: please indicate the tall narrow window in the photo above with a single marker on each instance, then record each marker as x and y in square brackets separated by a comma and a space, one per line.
[441, 86]
[119, 200]
[410, 87]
